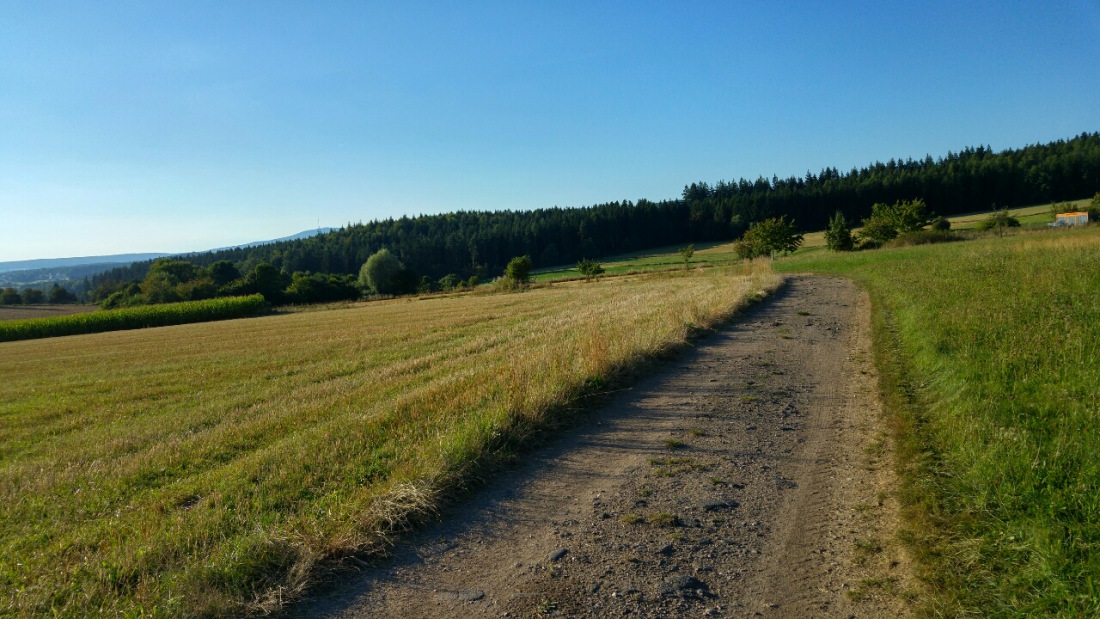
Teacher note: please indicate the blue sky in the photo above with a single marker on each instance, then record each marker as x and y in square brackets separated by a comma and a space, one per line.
[179, 126]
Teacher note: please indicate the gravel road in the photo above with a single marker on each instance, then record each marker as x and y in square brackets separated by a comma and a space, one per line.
[749, 477]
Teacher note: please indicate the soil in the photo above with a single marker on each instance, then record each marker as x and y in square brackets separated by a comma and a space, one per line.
[21, 312]
[750, 477]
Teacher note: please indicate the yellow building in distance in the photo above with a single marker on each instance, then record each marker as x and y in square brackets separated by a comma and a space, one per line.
[1071, 219]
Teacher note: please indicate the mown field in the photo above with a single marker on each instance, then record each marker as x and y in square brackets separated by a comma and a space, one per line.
[219, 468]
[990, 351]
[660, 259]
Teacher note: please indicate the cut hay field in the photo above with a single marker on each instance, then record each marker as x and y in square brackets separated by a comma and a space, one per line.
[218, 468]
[990, 352]
[660, 259]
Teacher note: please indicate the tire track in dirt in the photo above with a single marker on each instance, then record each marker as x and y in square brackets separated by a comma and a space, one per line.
[749, 478]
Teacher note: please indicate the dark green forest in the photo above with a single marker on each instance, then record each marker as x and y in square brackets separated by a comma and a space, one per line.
[481, 243]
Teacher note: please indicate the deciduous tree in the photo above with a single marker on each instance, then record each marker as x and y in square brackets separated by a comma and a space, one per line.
[222, 272]
[887, 221]
[519, 270]
[33, 296]
[380, 273]
[774, 234]
[686, 254]
[60, 295]
[589, 268]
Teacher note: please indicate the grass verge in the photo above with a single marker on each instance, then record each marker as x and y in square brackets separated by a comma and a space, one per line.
[988, 351]
[219, 469]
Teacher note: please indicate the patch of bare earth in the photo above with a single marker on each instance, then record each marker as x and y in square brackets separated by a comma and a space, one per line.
[752, 477]
[23, 312]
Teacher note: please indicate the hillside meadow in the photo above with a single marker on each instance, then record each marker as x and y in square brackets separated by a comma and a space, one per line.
[219, 468]
[990, 353]
[660, 259]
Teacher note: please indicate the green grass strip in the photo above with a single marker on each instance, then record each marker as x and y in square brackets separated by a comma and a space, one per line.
[133, 318]
[992, 355]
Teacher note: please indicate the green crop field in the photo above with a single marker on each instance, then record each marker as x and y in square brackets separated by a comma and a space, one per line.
[990, 350]
[133, 318]
[219, 468]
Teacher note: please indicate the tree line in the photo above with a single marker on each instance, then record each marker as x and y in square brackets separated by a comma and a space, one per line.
[975, 179]
[455, 247]
[57, 295]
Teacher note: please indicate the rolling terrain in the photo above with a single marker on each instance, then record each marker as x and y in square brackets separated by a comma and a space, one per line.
[220, 468]
[751, 477]
[228, 468]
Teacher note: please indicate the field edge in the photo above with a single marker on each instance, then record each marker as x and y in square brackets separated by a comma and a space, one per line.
[413, 505]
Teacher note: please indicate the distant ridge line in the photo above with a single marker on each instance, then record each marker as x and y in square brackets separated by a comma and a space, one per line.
[117, 259]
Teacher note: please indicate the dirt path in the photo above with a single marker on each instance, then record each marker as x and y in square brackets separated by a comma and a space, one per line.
[750, 478]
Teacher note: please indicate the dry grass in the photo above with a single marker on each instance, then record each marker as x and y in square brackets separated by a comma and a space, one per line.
[215, 469]
[660, 259]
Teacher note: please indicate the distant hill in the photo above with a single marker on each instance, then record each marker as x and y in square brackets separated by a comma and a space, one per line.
[293, 237]
[54, 263]
[26, 272]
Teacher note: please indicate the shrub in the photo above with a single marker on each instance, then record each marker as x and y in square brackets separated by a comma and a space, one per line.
[924, 237]
[589, 268]
[774, 234]
[686, 253]
[888, 221]
[519, 270]
[321, 288]
[941, 223]
[839, 236]
[502, 284]
[999, 220]
[448, 282]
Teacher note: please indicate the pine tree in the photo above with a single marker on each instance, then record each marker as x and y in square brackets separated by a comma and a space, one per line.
[839, 237]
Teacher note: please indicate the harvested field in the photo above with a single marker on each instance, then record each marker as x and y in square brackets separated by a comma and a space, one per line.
[218, 468]
[751, 477]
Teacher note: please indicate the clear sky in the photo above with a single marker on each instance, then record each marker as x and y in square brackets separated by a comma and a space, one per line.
[178, 126]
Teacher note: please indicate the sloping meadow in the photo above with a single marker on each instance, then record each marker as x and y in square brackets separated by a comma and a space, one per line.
[993, 348]
[219, 468]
